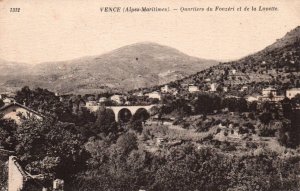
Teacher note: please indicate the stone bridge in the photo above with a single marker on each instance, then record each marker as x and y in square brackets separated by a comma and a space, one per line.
[120, 111]
[129, 110]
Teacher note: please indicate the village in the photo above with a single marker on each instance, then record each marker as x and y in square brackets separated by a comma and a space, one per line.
[162, 106]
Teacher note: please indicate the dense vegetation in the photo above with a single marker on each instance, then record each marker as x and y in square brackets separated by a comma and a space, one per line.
[100, 154]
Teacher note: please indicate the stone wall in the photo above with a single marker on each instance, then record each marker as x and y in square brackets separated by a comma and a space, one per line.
[16, 175]
[4, 154]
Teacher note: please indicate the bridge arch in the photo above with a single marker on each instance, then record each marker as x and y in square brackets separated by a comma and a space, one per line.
[141, 114]
[124, 115]
[132, 109]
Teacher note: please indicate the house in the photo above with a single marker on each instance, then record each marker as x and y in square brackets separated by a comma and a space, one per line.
[213, 87]
[270, 94]
[117, 98]
[102, 99]
[127, 103]
[90, 103]
[266, 92]
[252, 98]
[165, 89]
[17, 112]
[233, 71]
[154, 95]
[243, 88]
[276, 98]
[8, 100]
[139, 94]
[292, 92]
[193, 88]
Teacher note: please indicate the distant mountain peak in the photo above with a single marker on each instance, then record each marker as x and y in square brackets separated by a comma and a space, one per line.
[133, 66]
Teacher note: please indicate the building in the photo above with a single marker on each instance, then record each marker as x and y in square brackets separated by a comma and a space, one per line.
[90, 103]
[15, 177]
[117, 98]
[193, 88]
[243, 88]
[8, 100]
[213, 87]
[276, 98]
[154, 95]
[292, 92]
[165, 89]
[266, 92]
[102, 99]
[17, 112]
[138, 94]
[233, 71]
[252, 98]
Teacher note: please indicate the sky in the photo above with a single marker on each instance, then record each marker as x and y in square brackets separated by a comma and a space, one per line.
[57, 30]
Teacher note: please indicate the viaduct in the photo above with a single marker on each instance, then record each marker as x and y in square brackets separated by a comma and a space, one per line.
[119, 111]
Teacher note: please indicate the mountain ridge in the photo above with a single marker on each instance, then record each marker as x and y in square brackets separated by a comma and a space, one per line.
[128, 67]
[277, 65]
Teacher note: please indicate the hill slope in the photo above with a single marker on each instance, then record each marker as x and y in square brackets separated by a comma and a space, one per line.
[133, 66]
[277, 65]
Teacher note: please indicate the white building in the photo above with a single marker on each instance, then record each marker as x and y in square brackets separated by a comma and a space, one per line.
[193, 88]
[252, 98]
[270, 94]
[213, 87]
[292, 92]
[139, 94]
[269, 91]
[102, 99]
[90, 103]
[243, 88]
[117, 98]
[8, 100]
[154, 95]
[165, 89]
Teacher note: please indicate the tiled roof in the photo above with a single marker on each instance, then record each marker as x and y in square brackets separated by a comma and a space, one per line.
[23, 106]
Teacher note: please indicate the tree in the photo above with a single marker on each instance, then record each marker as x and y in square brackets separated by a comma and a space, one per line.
[50, 147]
[136, 125]
[7, 133]
[287, 108]
[45, 102]
[105, 122]
[289, 133]
[205, 103]
[127, 142]
[266, 118]
[141, 114]
[1, 103]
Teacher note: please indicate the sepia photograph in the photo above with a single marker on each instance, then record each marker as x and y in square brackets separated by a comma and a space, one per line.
[149, 95]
